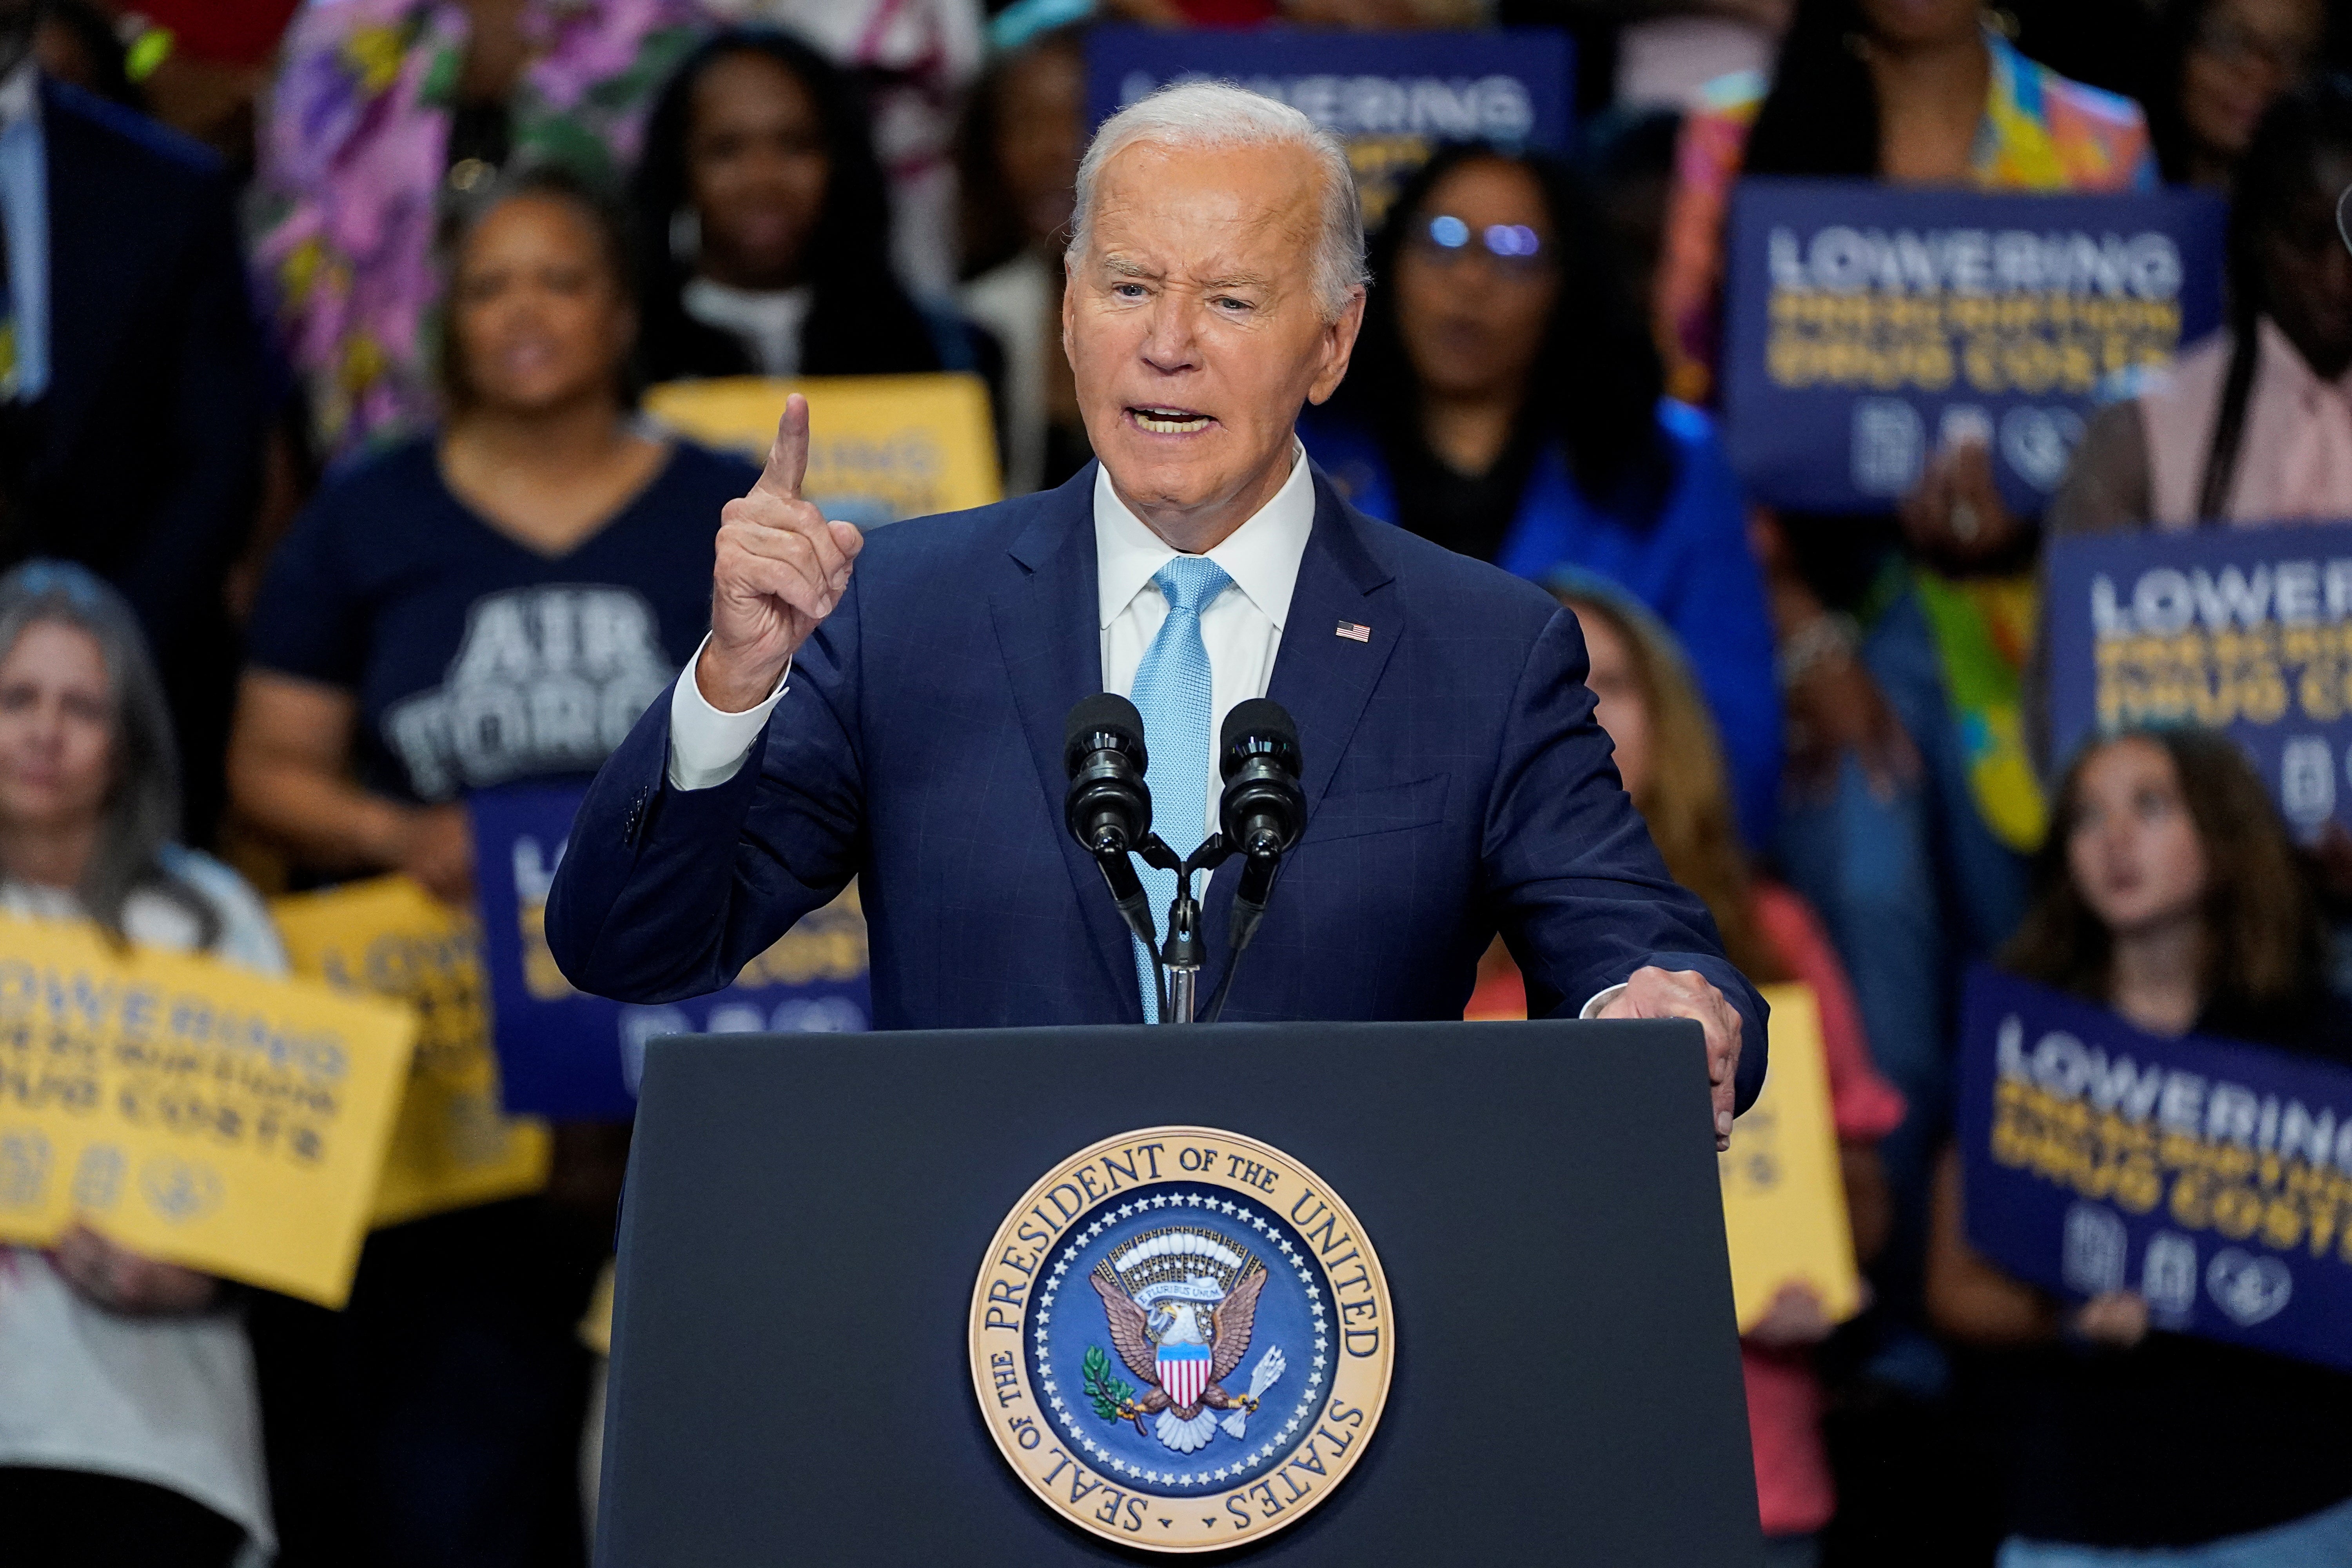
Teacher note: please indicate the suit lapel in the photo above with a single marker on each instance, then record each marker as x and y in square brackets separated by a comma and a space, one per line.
[1047, 617]
[1322, 675]
[1322, 678]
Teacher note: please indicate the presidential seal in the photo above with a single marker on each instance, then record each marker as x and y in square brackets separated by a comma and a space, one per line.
[1181, 1339]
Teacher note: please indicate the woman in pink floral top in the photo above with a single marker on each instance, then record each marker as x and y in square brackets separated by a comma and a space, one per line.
[377, 104]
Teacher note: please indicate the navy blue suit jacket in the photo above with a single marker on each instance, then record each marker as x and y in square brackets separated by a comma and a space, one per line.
[1456, 785]
[143, 458]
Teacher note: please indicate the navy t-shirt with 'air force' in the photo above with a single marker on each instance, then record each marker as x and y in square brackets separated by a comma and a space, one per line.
[478, 660]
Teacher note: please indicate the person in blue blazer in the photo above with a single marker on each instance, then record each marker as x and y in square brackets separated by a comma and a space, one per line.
[892, 707]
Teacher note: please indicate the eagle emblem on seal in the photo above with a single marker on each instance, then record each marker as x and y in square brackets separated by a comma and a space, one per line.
[1181, 1304]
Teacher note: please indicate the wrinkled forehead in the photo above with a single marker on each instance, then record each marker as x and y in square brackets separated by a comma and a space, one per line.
[1208, 211]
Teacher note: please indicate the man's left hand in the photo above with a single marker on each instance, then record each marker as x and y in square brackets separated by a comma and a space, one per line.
[1655, 993]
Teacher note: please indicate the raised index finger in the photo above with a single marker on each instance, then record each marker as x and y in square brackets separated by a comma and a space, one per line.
[788, 454]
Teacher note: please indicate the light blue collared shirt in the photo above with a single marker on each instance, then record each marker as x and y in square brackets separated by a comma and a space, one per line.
[25, 207]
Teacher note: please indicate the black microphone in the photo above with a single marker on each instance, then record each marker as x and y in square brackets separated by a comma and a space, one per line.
[1264, 809]
[1108, 807]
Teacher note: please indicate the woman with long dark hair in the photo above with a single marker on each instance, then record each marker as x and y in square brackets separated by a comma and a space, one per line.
[2254, 425]
[2170, 892]
[1504, 401]
[763, 225]
[128, 1425]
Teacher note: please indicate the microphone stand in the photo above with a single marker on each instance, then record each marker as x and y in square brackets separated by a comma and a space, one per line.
[1180, 954]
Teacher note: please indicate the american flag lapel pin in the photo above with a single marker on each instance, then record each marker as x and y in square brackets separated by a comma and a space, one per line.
[1355, 632]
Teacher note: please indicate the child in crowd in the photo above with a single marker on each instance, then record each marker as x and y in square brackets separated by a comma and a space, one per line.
[2170, 892]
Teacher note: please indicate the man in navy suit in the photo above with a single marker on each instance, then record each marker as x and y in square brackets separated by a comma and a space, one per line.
[892, 707]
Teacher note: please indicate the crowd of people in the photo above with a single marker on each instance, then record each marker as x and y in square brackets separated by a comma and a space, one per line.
[326, 500]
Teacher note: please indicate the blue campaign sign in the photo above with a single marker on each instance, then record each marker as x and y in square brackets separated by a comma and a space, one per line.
[562, 1053]
[1867, 326]
[1391, 97]
[2213, 1178]
[2243, 629]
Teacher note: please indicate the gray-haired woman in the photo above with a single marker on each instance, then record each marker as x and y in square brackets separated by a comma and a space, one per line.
[129, 1426]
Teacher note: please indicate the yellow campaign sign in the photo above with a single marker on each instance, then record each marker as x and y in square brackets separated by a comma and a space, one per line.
[191, 1110]
[452, 1147]
[881, 448]
[1783, 1194]
[596, 1323]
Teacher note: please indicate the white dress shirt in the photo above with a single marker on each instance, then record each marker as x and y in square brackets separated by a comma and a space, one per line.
[1242, 628]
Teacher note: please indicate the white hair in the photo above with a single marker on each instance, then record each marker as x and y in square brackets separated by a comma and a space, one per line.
[1220, 114]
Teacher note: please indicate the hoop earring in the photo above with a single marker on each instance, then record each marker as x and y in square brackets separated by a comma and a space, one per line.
[686, 237]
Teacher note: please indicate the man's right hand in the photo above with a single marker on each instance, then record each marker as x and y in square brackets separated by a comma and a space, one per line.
[780, 569]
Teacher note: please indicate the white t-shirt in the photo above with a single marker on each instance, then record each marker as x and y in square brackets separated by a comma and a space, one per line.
[169, 1401]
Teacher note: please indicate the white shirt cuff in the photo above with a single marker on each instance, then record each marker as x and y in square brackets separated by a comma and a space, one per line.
[707, 747]
[1592, 1009]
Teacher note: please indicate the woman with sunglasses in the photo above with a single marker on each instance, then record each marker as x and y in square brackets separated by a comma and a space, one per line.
[128, 1427]
[1505, 403]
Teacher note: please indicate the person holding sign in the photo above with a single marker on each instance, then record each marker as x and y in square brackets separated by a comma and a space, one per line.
[128, 1424]
[892, 707]
[1671, 765]
[2170, 892]
[494, 603]
[1901, 636]
[1506, 403]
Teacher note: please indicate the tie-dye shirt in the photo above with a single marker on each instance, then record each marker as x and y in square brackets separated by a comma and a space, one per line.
[2040, 131]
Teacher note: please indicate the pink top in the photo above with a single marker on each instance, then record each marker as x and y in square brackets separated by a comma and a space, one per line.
[2294, 455]
[1793, 1493]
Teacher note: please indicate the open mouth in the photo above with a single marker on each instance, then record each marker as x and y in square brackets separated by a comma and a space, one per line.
[1170, 421]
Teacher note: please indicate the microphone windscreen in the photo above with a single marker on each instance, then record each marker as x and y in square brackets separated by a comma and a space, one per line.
[1105, 712]
[1260, 716]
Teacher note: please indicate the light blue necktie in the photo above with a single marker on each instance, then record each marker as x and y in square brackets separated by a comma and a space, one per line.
[1173, 692]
